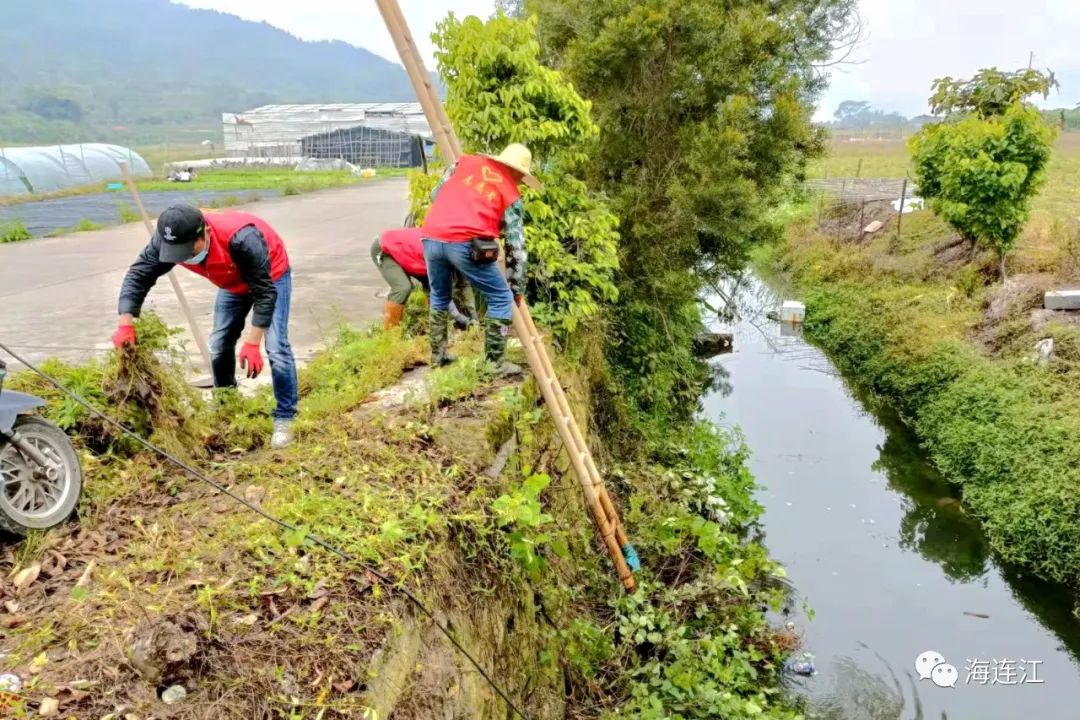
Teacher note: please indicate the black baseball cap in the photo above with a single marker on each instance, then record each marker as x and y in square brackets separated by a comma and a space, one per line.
[177, 229]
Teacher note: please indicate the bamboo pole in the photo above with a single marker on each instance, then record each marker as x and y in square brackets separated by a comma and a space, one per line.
[425, 92]
[425, 77]
[606, 518]
[580, 445]
[200, 339]
[563, 423]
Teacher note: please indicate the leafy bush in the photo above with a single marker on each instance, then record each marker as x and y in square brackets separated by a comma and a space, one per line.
[519, 511]
[981, 168]
[14, 231]
[990, 93]
[421, 185]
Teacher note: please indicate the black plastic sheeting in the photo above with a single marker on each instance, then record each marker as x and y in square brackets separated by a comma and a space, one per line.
[43, 217]
[366, 147]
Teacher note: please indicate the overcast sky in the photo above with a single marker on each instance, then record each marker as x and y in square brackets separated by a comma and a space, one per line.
[907, 44]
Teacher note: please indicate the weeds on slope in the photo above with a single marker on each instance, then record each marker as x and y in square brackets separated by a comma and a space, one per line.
[693, 641]
[164, 582]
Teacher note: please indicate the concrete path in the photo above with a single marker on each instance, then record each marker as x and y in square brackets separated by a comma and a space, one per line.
[58, 296]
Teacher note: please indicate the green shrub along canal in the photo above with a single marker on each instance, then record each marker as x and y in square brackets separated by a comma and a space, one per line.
[880, 549]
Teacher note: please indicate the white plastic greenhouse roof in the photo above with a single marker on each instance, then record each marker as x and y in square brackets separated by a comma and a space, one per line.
[50, 168]
[279, 129]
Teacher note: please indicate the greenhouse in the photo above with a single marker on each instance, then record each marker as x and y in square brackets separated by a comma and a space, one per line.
[51, 168]
[375, 134]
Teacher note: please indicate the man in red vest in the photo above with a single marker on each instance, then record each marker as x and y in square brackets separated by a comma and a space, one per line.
[399, 255]
[476, 202]
[246, 259]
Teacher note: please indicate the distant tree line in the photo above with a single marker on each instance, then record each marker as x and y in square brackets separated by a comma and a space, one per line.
[862, 115]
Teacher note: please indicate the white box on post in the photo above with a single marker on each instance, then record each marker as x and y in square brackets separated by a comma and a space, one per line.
[792, 311]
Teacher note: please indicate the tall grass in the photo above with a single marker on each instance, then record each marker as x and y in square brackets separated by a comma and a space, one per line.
[13, 231]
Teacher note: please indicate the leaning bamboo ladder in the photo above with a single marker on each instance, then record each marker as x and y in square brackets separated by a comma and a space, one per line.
[608, 524]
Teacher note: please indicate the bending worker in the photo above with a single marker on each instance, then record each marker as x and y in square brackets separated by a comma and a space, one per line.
[399, 255]
[477, 201]
[246, 259]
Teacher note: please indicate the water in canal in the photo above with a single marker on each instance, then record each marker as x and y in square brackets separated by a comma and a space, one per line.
[875, 543]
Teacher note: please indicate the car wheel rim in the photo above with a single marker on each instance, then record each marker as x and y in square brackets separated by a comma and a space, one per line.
[25, 495]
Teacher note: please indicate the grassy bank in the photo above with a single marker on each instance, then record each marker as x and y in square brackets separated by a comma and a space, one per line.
[922, 321]
[163, 581]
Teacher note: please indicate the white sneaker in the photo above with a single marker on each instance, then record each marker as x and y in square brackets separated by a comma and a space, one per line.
[283, 434]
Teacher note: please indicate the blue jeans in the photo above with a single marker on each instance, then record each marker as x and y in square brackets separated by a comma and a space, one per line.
[230, 312]
[442, 258]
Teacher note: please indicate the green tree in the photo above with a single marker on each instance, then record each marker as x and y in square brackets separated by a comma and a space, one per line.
[705, 114]
[852, 114]
[498, 93]
[53, 105]
[981, 168]
[850, 110]
[990, 93]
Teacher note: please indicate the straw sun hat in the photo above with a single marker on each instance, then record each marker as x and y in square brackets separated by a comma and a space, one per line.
[517, 157]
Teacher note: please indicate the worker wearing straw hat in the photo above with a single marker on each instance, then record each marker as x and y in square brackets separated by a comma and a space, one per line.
[477, 201]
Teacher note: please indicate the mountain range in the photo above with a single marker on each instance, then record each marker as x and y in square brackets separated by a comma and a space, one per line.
[151, 70]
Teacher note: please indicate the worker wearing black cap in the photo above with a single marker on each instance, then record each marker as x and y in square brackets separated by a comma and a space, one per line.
[246, 259]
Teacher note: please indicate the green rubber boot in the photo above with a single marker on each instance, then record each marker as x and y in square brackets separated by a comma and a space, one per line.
[495, 347]
[439, 333]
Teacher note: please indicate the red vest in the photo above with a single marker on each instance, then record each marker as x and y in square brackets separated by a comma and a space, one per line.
[407, 249]
[472, 201]
[219, 268]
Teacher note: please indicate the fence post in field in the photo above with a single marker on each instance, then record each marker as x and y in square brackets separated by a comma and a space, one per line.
[900, 217]
[858, 170]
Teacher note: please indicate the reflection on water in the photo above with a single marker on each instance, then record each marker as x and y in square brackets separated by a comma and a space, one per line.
[935, 523]
[879, 545]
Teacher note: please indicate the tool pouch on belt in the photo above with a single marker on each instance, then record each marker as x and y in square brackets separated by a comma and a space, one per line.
[483, 250]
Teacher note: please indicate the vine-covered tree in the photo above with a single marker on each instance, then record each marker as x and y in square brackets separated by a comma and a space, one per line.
[497, 93]
[704, 109]
[981, 168]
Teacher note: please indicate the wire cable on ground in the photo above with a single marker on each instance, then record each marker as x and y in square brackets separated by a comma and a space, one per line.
[391, 582]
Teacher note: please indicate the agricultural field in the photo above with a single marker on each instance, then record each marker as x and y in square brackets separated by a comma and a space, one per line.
[889, 158]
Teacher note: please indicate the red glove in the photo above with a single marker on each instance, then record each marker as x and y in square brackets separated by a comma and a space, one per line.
[124, 335]
[251, 360]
